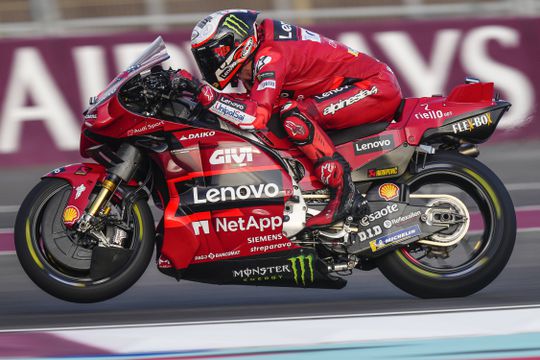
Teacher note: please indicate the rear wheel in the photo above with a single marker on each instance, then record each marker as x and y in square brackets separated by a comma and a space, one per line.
[72, 266]
[431, 271]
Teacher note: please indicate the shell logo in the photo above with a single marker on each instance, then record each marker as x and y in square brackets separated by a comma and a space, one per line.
[388, 191]
[71, 215]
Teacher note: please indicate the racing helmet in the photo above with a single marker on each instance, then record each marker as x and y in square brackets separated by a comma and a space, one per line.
[222, 42]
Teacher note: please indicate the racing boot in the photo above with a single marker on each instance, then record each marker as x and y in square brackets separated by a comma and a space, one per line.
[335, 172]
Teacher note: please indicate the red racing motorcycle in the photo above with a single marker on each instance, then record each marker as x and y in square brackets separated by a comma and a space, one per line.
[233, 204]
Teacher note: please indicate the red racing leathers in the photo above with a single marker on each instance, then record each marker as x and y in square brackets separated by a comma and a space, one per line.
[329, 85]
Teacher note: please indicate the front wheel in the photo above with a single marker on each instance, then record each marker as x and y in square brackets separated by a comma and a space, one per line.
[429, 271]
[78, 267]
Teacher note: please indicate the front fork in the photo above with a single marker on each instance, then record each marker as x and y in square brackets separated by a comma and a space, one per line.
[120, 167]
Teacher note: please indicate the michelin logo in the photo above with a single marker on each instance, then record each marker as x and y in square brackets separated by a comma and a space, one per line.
[397, 236]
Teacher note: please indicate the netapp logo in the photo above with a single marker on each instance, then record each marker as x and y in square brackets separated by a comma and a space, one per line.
[231, 193]
[252, 223]
[240, 156]
[374, 144]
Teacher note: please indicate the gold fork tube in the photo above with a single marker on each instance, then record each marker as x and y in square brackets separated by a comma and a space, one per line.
[109, 187]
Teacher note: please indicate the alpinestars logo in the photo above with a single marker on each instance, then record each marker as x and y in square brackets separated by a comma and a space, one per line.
[239, 156]
[79, 190]
[333, 108]
[264, 60]
[302, 267]
[327, 170]
[295, 128]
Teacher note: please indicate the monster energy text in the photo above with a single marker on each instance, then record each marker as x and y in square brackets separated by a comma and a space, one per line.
[262, 273]
[300, 263]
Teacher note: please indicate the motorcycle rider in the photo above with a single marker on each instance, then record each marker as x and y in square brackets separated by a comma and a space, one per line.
[328, 85]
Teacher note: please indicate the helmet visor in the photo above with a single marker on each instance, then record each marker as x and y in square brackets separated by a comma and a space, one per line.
[210, 57]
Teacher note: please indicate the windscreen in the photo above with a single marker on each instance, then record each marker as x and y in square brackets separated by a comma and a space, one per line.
[155, 54]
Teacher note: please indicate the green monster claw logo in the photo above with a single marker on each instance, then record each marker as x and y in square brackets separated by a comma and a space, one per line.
[237, 25]
[302, 264]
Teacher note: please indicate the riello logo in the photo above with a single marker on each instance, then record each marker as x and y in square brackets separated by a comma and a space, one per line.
[232, 193]
[240, 156]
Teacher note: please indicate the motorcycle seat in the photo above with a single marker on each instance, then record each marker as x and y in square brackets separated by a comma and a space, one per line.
[343, 136]
[338, 137]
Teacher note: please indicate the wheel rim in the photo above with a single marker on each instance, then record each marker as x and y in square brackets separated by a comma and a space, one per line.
[43, 253]
[464, 258]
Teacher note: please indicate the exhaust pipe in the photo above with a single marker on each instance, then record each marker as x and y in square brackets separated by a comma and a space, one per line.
[469, 150]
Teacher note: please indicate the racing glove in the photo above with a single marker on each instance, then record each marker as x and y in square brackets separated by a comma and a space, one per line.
[242, 112]
[182, 80]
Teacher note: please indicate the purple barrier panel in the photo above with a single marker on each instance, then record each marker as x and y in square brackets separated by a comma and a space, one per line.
[37, 345]
[45, 83]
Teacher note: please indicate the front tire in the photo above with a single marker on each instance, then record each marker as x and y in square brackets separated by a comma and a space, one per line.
[46, 264]
[414, 275]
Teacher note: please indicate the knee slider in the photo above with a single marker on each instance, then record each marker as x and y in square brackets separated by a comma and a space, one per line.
[298, 127]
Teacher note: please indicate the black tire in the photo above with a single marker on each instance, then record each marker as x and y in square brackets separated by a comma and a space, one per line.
[67, 284]
[499, 233]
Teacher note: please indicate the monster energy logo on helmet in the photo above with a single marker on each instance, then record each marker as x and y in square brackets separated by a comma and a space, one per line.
[236, 24]
[300, 263]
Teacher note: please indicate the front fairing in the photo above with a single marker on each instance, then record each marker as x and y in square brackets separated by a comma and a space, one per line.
[97, 114]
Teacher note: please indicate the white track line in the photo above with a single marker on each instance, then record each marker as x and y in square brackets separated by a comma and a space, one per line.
[285, 318]
[523, 186]
[6, 209]
[308, 330]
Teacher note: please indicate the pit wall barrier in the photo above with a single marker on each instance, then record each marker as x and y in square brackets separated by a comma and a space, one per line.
[45, 83]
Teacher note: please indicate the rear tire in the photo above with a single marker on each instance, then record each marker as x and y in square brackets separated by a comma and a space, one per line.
[412, 276]
[69, 284]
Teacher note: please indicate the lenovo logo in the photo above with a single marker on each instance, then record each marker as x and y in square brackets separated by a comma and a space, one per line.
[374, 144]
[231, 193]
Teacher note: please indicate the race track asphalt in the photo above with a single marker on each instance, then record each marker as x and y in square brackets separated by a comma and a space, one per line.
[157, 298]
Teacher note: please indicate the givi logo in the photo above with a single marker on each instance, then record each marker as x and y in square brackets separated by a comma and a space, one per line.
[240, 156]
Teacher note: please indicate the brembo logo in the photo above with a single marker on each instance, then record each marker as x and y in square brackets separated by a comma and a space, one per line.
[240, 156]
[231, 193]
[374, 144]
